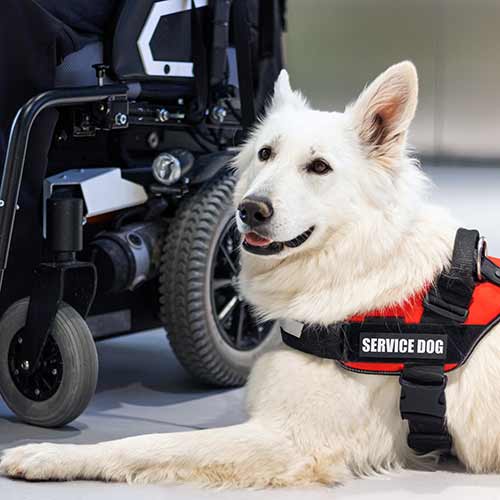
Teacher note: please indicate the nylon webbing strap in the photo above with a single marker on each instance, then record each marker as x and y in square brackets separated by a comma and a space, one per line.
[346, 342]
[423, 401]
[451, 296]
[322, 342]
[490, 271]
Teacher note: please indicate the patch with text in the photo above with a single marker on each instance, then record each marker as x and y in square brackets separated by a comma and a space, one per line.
[402, 345]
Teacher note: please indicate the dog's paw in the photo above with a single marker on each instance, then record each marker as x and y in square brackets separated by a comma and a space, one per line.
[34, 462]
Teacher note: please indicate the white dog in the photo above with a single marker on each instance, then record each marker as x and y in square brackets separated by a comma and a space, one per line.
[359, 235]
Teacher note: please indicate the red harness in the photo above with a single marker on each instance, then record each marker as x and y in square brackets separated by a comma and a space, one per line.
[484, 310]
[431, 334]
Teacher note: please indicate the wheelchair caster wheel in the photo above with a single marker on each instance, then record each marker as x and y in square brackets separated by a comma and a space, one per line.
[61, 386]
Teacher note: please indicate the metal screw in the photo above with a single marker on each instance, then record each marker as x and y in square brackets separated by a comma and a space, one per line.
[25, 365]
[2, 203]
[20, 340]
[497, 273]
[54, 371]
[37, 392]
[121, 119]
[162, 115]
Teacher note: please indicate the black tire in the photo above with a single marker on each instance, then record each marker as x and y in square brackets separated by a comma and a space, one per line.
[187, 307]
[71, 374]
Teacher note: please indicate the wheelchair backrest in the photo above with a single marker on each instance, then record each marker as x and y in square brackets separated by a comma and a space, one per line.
[153, 40]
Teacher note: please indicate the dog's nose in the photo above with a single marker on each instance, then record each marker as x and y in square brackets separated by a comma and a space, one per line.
[255, 211]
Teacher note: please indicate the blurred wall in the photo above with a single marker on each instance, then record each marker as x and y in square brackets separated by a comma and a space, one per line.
[334, 47]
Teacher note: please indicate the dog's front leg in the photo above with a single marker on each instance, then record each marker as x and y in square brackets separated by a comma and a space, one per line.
[246, 455]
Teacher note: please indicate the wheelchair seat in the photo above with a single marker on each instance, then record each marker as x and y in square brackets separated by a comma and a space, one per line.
[76, 71]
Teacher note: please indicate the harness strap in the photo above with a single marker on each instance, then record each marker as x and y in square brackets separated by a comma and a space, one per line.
[450, 297]
[490, 271]
[423, 402]
[344, 341]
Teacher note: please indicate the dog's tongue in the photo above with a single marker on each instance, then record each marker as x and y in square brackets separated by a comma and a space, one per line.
[257, 241]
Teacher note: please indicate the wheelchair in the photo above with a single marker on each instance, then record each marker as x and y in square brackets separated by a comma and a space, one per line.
[136, 215]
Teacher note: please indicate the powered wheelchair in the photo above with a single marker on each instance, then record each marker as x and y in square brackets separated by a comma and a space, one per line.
[136, 221]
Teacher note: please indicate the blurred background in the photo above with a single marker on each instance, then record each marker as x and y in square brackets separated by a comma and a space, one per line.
[335, 47]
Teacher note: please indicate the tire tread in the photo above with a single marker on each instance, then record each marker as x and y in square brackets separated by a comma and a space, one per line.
[182, 273]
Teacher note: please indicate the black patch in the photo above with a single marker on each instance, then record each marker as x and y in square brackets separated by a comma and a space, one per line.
[403, 345]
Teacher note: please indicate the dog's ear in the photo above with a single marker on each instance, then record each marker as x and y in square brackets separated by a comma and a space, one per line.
[283, 93]
[384, 111]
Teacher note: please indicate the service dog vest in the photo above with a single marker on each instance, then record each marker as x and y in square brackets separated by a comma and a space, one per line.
[430, 334]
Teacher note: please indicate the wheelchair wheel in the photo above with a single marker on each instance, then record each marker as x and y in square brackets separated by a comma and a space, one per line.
[64, 382]
[211, 329]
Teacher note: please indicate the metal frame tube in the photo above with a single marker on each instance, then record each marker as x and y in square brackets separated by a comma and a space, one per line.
[18, 144]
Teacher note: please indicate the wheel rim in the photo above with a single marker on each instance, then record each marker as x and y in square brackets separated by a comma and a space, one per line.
[235, 321]
[43, 382]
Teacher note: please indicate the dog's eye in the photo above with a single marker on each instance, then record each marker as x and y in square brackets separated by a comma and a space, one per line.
[264, 153]
[319, 167]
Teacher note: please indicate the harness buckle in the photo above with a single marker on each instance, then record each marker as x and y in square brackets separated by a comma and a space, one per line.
[423, 405]
[422, 399]
[437, 305]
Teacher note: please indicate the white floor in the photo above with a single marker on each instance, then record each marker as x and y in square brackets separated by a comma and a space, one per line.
[142, 389]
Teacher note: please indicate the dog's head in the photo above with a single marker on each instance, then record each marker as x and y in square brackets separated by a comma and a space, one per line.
[306, 175]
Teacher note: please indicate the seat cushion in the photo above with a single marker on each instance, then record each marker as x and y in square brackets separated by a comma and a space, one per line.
[76, 69]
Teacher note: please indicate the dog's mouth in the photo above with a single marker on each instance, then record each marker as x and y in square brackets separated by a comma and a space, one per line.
[259, 245]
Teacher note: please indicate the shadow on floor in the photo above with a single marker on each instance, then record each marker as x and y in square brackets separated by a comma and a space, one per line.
[145, 360]
[141, 389]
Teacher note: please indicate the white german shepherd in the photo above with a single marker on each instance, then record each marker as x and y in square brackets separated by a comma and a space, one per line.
[343, 228]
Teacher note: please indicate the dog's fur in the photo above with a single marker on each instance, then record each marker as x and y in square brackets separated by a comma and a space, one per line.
[376, 242]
